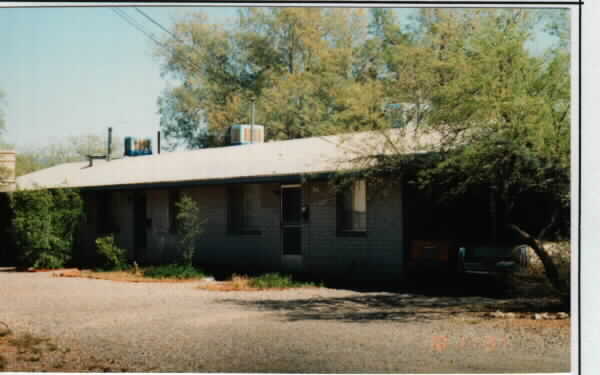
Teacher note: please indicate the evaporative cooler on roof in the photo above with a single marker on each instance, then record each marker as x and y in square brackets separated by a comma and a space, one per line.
[242, 134]
[138, 146]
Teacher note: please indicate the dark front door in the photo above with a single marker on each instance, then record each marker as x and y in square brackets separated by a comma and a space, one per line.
[291, 219]
[139, 223]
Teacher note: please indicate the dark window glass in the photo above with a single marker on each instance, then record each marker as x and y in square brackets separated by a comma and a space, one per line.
[105, 222]
[292, 205]
[174, 196]
[244, 205]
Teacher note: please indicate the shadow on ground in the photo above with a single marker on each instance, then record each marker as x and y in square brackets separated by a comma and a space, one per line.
[409, 305]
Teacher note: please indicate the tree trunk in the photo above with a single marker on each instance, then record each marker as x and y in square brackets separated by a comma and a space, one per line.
[549, 266]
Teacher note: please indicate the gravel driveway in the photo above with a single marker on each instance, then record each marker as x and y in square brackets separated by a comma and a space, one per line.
[177, 327]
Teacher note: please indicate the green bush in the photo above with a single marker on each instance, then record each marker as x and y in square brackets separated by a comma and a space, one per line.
[44, 226]
[189, 228]
[174, 271]
[114, 256]
[276, 280]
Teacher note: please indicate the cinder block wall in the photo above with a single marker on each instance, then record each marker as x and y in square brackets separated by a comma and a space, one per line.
[244, 251]
[379, 254]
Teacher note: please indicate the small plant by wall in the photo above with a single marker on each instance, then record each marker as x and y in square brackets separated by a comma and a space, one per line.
[189, 228]
[115, 258]
[44, 226]
[174, 271]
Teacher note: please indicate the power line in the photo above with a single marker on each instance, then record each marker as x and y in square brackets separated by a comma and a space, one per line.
[157, 23]
[137, 26]
[185, 59]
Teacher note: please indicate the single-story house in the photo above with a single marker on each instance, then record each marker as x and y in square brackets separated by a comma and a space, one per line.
[267, 206]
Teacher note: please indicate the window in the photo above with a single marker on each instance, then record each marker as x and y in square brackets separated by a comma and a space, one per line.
[104, 218]
[174, 196]
[244, 205]
[352, 209]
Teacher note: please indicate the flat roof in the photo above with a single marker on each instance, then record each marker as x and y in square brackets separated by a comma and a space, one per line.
[270, 160]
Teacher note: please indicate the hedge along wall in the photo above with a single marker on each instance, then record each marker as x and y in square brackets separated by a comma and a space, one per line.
[44, 226]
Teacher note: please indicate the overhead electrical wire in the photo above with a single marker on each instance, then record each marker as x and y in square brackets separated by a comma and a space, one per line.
[140, 28]
[157, 23]
[137, 26]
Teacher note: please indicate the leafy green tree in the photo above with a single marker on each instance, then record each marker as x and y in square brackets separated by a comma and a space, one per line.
[189, 228]
[44, 226]
[500, 116]
[300, 66]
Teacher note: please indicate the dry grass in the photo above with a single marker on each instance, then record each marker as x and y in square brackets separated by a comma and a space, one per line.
[270, 281]
[120, 276]
[237, 283]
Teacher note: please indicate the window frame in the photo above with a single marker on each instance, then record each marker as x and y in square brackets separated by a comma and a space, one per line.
[342, 229]
[236, 196]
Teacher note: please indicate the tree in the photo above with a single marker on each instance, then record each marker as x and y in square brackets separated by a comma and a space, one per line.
[500, 115]
[301, 67]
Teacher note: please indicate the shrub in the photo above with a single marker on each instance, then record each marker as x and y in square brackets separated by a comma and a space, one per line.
[174, 271]
[189, 228]
[114, 256]
[44, 226]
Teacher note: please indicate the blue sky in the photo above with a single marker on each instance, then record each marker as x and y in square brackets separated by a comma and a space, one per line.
[72, 71]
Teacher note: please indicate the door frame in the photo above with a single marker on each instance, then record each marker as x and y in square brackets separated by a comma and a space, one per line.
[291, 262]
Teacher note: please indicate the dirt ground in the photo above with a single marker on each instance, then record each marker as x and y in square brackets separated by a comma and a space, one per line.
[78, 324]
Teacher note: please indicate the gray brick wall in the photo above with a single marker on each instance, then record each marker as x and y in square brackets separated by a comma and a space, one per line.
[378, 254]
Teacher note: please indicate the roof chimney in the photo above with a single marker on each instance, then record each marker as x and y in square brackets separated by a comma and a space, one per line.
[8, 161]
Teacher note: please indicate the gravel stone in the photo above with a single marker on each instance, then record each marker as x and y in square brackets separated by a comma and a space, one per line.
[177, 327]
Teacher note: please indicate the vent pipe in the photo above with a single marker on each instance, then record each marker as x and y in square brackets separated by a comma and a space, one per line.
[109, 145]
[158, 142]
